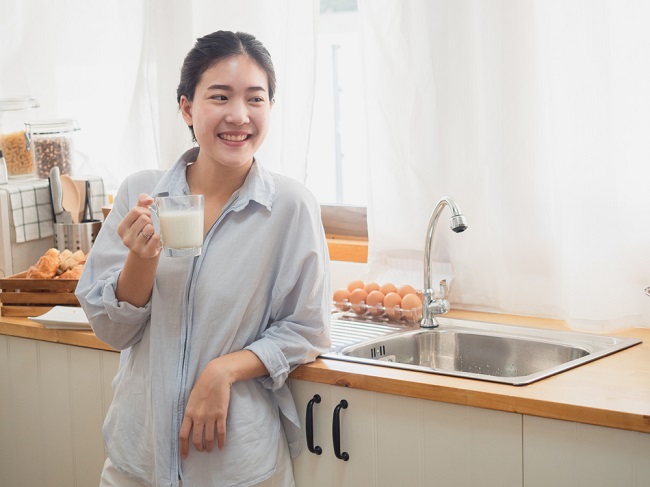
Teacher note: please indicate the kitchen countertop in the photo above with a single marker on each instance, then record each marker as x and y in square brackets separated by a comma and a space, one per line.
[613, 391]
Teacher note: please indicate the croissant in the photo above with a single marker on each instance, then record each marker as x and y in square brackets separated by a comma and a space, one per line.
[73, 273]
[68, 260]
[46, 266]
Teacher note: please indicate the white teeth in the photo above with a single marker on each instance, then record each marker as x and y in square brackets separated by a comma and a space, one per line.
[234, 138]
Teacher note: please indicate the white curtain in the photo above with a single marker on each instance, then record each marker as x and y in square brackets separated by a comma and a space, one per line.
[114, 66]
[535, 117]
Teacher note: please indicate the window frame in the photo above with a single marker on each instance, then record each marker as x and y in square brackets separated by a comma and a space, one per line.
[346, 231]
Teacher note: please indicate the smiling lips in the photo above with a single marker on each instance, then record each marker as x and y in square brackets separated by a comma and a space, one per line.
[234, 138]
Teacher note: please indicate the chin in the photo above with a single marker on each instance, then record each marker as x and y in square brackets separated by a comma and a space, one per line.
[234, 164]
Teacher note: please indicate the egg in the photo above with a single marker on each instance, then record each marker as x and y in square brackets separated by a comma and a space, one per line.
[358, 300]
[406, 289]
[412, 306]
[358, 284]
[371, 286]
[388, 288]
[375, 302]
[392, 306]
[341, 299]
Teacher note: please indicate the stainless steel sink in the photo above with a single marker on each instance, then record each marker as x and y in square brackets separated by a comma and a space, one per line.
[477, 350]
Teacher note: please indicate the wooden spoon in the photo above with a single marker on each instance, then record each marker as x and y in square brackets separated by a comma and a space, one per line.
[71, 197]
[81, 187]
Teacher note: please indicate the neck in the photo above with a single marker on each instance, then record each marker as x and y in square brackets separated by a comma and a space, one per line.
[215, 180]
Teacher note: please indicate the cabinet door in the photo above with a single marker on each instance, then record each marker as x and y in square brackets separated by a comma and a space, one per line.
[563, 453]
[52, 405]
[311, 469]
[356, 437]
[430, 443]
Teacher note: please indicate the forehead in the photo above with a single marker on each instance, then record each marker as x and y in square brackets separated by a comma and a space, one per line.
[237, 71]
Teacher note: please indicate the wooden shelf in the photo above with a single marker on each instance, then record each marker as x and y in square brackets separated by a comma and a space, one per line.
[347, 249]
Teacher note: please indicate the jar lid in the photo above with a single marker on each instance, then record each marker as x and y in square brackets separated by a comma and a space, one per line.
[42, 127]
[21, 103]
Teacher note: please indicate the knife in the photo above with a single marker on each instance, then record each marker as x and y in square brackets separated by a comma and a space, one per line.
[88, 209]
[60, 215]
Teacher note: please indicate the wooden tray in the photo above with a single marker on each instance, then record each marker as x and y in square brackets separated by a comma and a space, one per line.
[24, 297]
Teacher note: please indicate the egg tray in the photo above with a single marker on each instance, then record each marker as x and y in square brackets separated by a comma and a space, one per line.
[378, 313]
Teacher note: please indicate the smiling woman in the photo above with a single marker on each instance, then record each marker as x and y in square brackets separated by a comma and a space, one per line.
[269, 293]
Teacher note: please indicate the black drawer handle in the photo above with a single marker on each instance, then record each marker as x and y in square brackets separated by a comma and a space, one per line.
[310, 425]
[336, 431]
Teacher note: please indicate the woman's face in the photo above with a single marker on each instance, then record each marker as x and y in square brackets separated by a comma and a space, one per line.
[230, 111]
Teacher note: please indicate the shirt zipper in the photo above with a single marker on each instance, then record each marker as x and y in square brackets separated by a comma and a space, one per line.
[188, 316]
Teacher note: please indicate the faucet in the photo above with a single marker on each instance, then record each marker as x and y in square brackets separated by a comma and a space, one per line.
[432, 306]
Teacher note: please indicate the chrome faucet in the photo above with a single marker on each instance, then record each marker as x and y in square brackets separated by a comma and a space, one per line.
[433, 306]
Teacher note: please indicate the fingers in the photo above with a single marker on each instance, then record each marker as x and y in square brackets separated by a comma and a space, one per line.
[184, 437]
[209, 439]
[197, 436]
[221, 433]
[137, 230]
[202, 437]
[144, 200]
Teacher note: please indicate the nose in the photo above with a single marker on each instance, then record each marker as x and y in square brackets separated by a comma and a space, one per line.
[237, 112]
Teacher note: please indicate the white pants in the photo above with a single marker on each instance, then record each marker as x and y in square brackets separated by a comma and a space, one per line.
[283, 476]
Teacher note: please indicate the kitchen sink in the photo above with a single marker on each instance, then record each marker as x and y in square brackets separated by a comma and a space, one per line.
[507, 354]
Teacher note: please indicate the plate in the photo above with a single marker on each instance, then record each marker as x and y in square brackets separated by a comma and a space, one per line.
[63, 318]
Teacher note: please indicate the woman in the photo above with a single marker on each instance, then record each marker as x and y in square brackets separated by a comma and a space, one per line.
[200, 396]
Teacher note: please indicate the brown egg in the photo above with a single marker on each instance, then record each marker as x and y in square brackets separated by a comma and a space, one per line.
[375, 303]
[406, 289]
[341, 299]
[358, 284]
[412, 306]
[371, 286]
[388, 288]
[358, 300]
[392, 306]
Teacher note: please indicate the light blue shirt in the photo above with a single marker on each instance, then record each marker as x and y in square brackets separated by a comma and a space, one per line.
[261, 283]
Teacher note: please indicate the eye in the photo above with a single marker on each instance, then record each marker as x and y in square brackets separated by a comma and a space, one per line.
[257, 99]
[219, 97]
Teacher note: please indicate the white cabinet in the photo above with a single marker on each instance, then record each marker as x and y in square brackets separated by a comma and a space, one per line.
[53, 399]
[394, 440]
[563, 453]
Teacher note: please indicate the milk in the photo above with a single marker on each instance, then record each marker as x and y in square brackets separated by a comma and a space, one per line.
[182, 229]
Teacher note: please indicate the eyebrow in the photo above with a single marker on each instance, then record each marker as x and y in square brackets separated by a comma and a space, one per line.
[229, 88]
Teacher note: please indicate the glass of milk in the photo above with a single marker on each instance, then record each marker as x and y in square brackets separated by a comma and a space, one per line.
[181, 224]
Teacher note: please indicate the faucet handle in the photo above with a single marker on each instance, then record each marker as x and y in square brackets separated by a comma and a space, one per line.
[443, 288]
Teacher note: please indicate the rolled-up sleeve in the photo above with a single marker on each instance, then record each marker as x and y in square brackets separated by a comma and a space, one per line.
[300, 317]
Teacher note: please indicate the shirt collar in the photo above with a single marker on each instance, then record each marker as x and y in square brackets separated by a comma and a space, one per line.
[259, 185]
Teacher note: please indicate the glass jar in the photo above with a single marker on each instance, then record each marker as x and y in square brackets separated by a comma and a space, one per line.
[13, 139]
[52, 143]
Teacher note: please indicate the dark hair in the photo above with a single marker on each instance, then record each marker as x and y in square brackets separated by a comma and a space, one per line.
[215, 47]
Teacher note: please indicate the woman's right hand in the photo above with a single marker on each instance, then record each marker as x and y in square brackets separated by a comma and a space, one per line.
[137, 231]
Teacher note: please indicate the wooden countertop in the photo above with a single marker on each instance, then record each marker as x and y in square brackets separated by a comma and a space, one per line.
[26, 328]
[613, 391]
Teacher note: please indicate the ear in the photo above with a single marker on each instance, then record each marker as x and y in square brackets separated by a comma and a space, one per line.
[186, 110]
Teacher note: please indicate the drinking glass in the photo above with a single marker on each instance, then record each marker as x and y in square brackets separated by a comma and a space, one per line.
[181, 224]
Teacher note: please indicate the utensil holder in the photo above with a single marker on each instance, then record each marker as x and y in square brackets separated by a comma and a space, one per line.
[76, 236]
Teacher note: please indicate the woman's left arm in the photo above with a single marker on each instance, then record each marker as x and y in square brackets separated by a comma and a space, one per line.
[301, 302]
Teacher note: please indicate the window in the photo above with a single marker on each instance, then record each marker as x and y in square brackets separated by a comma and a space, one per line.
[337, 167]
